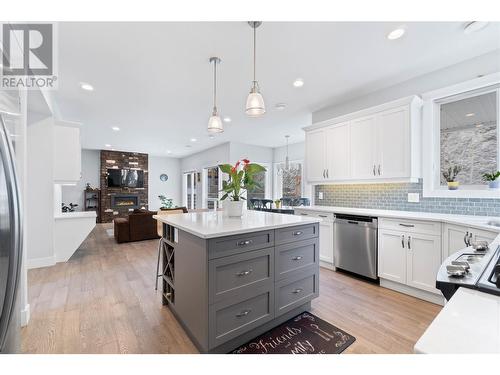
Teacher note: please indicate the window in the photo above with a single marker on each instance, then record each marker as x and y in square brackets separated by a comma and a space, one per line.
[460, 129]
[288, 183]
[191, 190]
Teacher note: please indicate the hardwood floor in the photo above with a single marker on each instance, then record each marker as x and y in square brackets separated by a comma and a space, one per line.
[103, 301]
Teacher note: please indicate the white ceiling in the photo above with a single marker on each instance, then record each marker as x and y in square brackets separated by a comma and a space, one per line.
[153, 80]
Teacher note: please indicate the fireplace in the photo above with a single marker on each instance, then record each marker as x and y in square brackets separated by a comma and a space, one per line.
[125, 201]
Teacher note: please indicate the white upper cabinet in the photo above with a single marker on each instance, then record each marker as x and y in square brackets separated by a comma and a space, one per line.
[362, 145]
[378, 144]
[337, 152]
[393, 143]
[316, 155]
[67, 153]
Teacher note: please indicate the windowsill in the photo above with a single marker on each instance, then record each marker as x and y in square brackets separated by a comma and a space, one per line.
[463, 192]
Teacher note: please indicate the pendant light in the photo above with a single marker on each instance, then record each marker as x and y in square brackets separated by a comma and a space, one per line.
[255, 102]
[286, 167]
[214, 122]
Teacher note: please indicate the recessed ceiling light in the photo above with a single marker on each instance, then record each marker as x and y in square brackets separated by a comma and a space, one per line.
[193, 140]
[86, 86]
[226, 119]
[211, 136]
[169, 152]
[280, 106]
[474, 26]
[188, 146]
[299, 82]
[115, 128]
[470, 114]
[396, 33]
[107, 145]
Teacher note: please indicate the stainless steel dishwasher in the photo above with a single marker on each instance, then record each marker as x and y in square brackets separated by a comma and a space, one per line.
[355, 244]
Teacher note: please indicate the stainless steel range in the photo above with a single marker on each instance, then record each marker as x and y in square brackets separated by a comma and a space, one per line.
[470, 268]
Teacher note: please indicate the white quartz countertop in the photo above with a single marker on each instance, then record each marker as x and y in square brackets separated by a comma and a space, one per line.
[217, 224]
[75, 215]
[468, 323]
[479, 222]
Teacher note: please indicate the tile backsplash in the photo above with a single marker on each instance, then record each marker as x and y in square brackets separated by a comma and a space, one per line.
[394, 196]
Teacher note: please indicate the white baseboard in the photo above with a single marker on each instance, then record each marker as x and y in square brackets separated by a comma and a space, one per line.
[25, 315]
[418, 293]
[41, 262]
[327, 265]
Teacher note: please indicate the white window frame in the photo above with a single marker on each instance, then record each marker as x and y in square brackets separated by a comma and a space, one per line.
[204, 178]
[431, 157]
[276, 178]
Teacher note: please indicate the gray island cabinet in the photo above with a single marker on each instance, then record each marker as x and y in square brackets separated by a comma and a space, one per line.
[228, 280]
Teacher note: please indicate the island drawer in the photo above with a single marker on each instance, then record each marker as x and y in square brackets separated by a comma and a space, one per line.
[296, 256]
[229, 320]
[296, 233]
[229, 275]
[231, 245]
[297, 290]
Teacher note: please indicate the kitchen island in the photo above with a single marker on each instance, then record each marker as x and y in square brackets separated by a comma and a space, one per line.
[228, 280]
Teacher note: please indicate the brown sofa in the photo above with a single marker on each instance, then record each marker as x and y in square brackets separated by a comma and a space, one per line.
[137, 226]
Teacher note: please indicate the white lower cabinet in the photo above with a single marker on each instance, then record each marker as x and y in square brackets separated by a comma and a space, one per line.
[409, 258]
[423, 261]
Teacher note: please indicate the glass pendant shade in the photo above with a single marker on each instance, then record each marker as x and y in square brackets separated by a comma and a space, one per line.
[215, 123]
[255, 103]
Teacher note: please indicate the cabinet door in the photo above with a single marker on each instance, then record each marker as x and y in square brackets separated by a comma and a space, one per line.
[392, 255]
[337, 152]
[326, 242]
[483, 235]
[393, 143]
[453, 239]
[362, 148]
[424, 259]
[315, 155]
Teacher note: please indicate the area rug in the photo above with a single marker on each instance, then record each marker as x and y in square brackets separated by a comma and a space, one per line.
[304, 334]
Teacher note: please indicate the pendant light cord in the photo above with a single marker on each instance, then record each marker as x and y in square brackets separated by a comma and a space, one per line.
[254, 52]
[215, 85]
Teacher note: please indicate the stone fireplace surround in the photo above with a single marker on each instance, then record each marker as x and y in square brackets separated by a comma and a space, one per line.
[121, 160]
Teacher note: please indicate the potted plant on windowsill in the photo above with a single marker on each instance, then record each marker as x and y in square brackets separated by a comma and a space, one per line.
[241, 179]
[450, 175]
[492, 179]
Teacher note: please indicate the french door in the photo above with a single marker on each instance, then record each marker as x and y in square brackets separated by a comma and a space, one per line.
[191, 190]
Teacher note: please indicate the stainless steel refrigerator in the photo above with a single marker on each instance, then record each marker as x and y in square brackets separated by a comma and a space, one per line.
[10, 245]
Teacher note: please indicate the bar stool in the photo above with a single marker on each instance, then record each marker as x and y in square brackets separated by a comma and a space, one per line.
[159, 228]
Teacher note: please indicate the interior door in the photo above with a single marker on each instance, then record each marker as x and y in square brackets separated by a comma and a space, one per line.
[393, 143]
[10, 242]
[315, 155]
[337, 152]
[392, 255]
[362, 148]
[424, 259]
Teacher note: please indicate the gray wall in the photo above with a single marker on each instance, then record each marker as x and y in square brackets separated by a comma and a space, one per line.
[171, 188]
[395, 197]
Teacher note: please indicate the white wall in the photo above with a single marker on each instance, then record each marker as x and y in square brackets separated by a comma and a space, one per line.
[171, 188]
[466, 70]
[296, 151]
[90, 173]
[256, 154]
[207, 158]
[39, 204]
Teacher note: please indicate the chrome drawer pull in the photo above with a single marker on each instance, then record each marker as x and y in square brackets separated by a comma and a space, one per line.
[403, 241]
[409, 239]
[298, 257]
[298, 233]
[244, 313]
[465, 238]
[407, 225]
[244, 243]
[297, 291]
[303, 214]
[244, 273]
[322, 215]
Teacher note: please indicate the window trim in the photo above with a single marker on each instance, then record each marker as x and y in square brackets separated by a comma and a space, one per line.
[431, 138]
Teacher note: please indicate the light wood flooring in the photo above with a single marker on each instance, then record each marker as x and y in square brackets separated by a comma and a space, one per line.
[103, 301]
